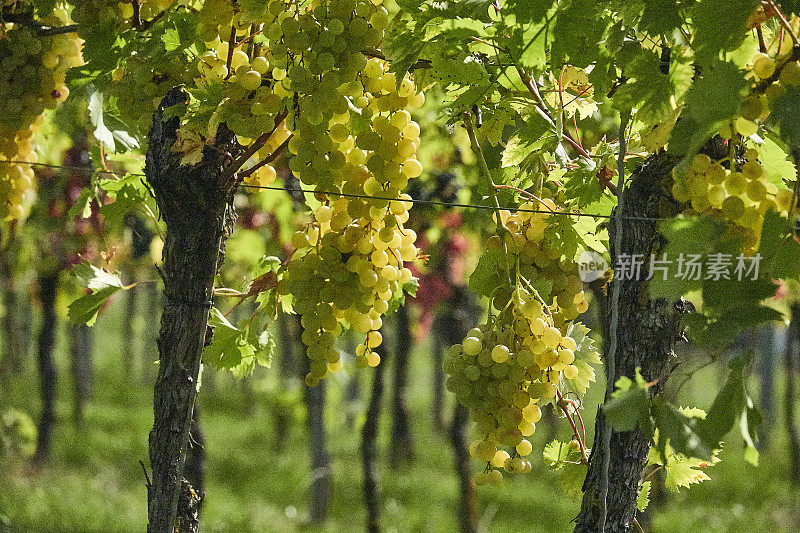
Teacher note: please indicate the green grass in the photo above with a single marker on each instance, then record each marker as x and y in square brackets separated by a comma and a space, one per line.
[95, 483]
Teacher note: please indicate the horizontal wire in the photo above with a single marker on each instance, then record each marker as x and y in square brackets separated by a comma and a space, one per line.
[91, 170]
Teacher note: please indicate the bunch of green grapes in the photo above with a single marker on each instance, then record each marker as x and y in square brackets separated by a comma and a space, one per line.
[31, 80]
[740, 197]
[350, 260]
[508, 365]
[101, 15]
[533, 241]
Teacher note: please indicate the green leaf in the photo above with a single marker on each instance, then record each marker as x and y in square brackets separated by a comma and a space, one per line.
[171, 38]
[577, 33]
[490, 272]
[720, 25]
[229, 347]
[682, 471]
[83, 205]
[711, 101]
[748, 424]
[643, 498]
[84, 310]
[727, 406]
[786, 113]
[95, 278]
[678, 430]
[651, 91]
[660, 17]
[451, 9]
[586, 358]
[101, 132]
[629, 406]
[776, 163]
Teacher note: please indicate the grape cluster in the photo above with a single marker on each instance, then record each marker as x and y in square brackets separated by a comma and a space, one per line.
[741, 196]
[356, 246]
[31, 81]
[506, 366]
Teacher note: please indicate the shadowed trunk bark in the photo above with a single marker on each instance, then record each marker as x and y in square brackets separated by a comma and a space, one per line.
[47, 368]
[792, 349]
[80, 348]
[647, 331]
[401, 445]
[467, 512]
[320, 494]
[195, 468]
[369, 450]
[193, 202]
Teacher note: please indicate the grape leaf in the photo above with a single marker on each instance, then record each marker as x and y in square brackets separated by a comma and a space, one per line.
[586, 358]
[682, 471]
[101, 131]
[719, 25]
[774, 160]
[229, 346]
[660, 17]
[713, 99]
[643, 498]
[786, 113]
[490, 272]
[102, 283]
[678, 430]
[727, 407]
[651, 91]
[629, 406]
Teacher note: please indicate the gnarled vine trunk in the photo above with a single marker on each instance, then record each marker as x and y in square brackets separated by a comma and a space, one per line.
[647, 331]
[320, 490]
[369, 450]
[790, 397]
[401, 445]
[80, 349]
[48, 284]
[194, 203]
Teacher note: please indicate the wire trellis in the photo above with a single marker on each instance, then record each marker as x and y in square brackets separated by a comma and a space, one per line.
[513, 209]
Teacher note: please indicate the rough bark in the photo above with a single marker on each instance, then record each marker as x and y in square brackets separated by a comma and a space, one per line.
[320, 493]
[48, 284]
[369, 450]
[647, 332]
[195, 469]
[80, 348]
[792, 350]
[401, 445]
[467, 512]
[193, 202]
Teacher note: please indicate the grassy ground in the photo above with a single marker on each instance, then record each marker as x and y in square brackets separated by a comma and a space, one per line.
[95, 482]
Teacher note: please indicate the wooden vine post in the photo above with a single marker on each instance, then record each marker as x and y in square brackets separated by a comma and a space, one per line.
[194, 202]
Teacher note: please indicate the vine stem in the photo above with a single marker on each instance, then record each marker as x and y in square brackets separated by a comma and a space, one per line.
[784, 23]
[562, 403]
[526, 193]
[487, 175]
[616, 288]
